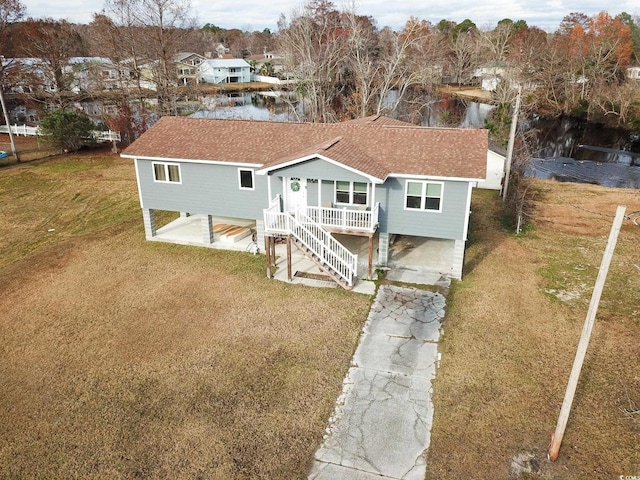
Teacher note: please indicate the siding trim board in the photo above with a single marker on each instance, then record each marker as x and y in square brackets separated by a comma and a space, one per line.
[186, 160]
[466, 219]
[135, 163]
[317, 156]
[434, 177]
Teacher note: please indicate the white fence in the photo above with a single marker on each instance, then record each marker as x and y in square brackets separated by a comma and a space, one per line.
[273, 80]
[24, 130]
[19, 130]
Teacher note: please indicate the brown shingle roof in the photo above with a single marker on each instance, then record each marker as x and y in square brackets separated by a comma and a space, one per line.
[374, 149]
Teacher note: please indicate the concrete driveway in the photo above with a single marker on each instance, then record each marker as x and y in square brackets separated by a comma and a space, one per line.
[382, 421]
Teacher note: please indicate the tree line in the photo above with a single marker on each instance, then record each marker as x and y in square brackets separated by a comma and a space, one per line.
[345, 66]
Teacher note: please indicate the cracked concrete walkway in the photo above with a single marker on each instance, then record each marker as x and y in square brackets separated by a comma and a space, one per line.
[381, 425]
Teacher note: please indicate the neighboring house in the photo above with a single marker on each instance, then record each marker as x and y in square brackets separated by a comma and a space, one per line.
[224, 70]
[490, 75]
[187, 67]
[222, 51]
[82, 74]
[91, 74]
[374, 177]
[272, 61]
[633, 73]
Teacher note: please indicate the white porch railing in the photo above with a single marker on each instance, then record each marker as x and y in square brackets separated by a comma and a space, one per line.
[345, 219]
[335, 256]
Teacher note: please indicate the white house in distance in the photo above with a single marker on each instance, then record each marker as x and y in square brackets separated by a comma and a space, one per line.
[224, 70]
[633, 73]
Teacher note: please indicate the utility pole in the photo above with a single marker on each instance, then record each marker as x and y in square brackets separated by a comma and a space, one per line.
[556, 438]
[512, 136]
[6, 119]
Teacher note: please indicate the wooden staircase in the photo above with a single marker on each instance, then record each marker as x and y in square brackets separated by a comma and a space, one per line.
[315, 242]
[321, 264]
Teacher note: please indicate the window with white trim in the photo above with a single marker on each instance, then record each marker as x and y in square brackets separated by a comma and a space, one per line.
[166, 172]
[352, 193]
[422, 195]
[246, 179]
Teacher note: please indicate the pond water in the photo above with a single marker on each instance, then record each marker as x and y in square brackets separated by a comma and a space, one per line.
[264, 106]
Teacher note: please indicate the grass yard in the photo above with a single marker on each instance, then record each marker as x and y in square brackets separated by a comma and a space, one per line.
[123, 358]
[510, 336]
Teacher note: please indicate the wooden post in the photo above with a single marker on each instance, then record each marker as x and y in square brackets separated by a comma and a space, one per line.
[370, 255]
[512, 135]
[273, 251]
[6, 119]
[556, 438]
[289, 275]
[267, 251]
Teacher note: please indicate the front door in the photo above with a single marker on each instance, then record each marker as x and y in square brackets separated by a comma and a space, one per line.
[295, 193]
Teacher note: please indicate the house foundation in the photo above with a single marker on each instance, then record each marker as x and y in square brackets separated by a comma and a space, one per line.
[207, 229]
[458, 259]
[383, 249]
[149, 219]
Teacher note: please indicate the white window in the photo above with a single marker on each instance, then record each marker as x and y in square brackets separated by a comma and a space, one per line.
[166, 172]
[421, 195]
[246, 179]
[352, 193]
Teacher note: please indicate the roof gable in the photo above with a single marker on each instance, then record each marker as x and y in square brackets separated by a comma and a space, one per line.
[337, 151]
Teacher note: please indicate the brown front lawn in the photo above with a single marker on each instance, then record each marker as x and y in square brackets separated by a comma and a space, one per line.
[124, 358]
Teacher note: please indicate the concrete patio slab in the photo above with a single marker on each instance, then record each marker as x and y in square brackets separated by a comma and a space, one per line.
[382, 420]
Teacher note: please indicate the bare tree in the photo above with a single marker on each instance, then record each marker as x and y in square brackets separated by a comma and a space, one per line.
[314, 45]
[51, 46]
[10, 11]
[464, 55]
[495, 44]
[166, 23]
[406, 62]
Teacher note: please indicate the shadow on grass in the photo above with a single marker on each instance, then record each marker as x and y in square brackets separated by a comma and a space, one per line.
[486, 228]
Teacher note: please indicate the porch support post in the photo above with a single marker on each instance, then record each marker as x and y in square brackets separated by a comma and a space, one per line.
[267, 250]
[149, 219]
[370, 255]
[289, 274]
[383, 248]
[207, 229]
[458, 260]
[273, 251]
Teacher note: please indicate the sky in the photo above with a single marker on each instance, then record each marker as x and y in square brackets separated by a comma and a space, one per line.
[260, 14]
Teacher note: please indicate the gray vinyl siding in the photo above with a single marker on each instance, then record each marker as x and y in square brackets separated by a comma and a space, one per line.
[328, 191]
[319, 169]
[204, 188]
[312, 194]
[448, 224]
